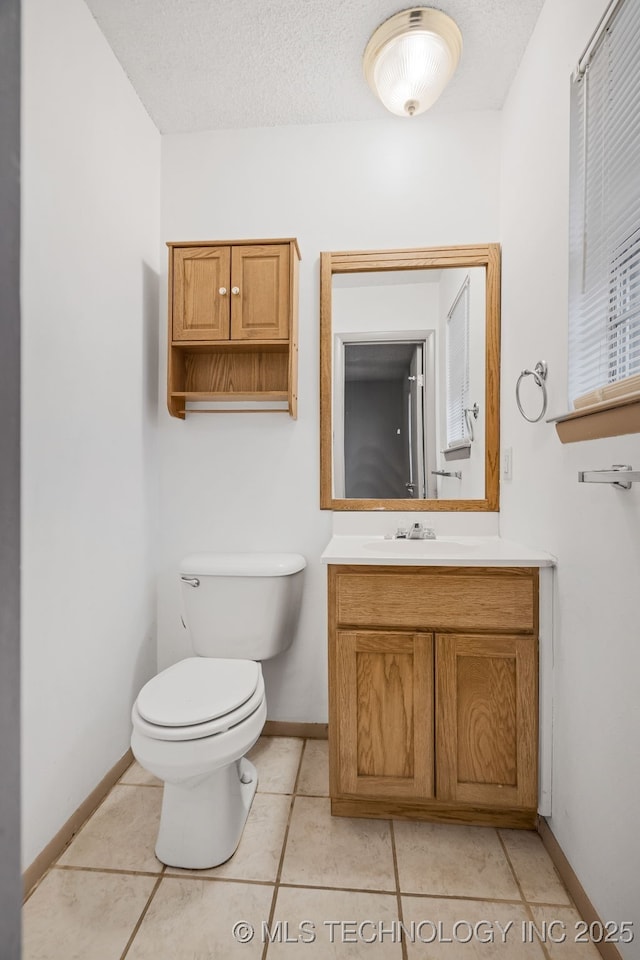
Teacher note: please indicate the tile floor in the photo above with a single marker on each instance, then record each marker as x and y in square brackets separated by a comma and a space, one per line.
[307, 884]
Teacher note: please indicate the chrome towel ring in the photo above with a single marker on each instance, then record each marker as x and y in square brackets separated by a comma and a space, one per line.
[539, 374]
[470, 412]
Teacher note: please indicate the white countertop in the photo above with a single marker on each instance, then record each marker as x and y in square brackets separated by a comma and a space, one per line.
[442, 552]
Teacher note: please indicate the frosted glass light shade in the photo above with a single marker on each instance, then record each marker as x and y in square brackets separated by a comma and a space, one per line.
[410, 59]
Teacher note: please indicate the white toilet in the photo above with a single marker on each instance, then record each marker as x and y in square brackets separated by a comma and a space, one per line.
[193, 723]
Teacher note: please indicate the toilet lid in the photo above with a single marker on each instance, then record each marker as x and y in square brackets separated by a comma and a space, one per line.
[196, 690]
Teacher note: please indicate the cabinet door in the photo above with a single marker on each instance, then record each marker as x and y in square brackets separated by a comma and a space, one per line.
[200, 308]
[486, 720]
[260, 292]
[382, 715]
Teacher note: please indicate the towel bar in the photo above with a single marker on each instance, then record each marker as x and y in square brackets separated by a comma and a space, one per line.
[620, 475]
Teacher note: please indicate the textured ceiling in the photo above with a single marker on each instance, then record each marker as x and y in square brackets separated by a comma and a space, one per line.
[215, 64]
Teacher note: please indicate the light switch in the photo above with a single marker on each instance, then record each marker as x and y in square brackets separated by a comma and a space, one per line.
[507, 463]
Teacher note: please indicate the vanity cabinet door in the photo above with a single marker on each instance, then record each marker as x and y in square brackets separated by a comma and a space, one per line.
[486, 720]
[382, 705]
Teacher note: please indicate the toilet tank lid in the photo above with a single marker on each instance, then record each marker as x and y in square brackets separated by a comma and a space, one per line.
[242, 564]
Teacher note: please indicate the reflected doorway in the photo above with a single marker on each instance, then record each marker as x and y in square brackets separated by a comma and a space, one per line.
[386, 415]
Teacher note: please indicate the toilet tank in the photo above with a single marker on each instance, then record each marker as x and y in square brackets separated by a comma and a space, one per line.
[241, 606]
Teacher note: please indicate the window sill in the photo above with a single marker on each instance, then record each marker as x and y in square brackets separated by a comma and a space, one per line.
[461, 452]
[613, 418]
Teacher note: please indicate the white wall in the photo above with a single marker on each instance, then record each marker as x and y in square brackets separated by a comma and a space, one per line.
[91, 166]
[594, 530]
[251, 481]
[382, 307]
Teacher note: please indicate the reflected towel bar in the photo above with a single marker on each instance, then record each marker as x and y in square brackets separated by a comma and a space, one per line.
[620, 475]
[447, 473]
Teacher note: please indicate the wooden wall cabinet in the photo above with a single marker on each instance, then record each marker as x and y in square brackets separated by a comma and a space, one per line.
[233, 310]
[433, 693]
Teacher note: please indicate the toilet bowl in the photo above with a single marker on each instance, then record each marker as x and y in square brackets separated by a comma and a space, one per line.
[209, 787]
[194, 722]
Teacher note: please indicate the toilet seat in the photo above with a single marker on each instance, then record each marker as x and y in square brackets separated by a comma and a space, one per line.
[196, 690]
[198, 698]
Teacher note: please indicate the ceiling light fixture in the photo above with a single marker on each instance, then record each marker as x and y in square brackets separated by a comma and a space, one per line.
[411, 57]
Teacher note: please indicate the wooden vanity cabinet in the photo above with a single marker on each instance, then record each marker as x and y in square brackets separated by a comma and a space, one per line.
[233, 322]
[433, 693]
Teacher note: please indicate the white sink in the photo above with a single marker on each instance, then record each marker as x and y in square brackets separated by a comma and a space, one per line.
[417, 548]
[472, 551]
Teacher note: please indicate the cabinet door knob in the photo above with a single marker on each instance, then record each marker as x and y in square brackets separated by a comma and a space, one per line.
[222, 291]
[235, 291]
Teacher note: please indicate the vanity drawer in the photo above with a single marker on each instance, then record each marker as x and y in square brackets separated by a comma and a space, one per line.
[437, 598]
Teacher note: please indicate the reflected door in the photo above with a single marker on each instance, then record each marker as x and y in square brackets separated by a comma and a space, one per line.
[384, 434]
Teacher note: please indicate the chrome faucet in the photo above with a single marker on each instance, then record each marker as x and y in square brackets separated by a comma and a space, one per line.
[416, 532]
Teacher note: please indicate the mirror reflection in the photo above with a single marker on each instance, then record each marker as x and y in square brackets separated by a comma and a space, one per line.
[408, 397]
[409, 378]
[383, 450]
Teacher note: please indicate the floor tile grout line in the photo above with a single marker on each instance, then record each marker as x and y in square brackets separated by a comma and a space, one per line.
[170, 874]
[487, 899]
[519, 885]
[550, 903]
[121, 870]
[572, 902]
[396, 873]
[461, 897]
[561, 883]
[299, 770]
[152, 786]
[283, 850]
[316, 886]
[194, 875]
[511, 866]
[284, 793]
[140, 919]
[420, 896]
[321, 796]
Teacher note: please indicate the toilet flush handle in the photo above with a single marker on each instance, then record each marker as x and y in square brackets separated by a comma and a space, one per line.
[192, 581]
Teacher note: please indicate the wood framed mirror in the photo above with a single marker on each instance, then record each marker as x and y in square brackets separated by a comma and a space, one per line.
[410, 379]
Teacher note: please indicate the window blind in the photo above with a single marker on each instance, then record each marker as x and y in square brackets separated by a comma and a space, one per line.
[604, 245]
[457, 351]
